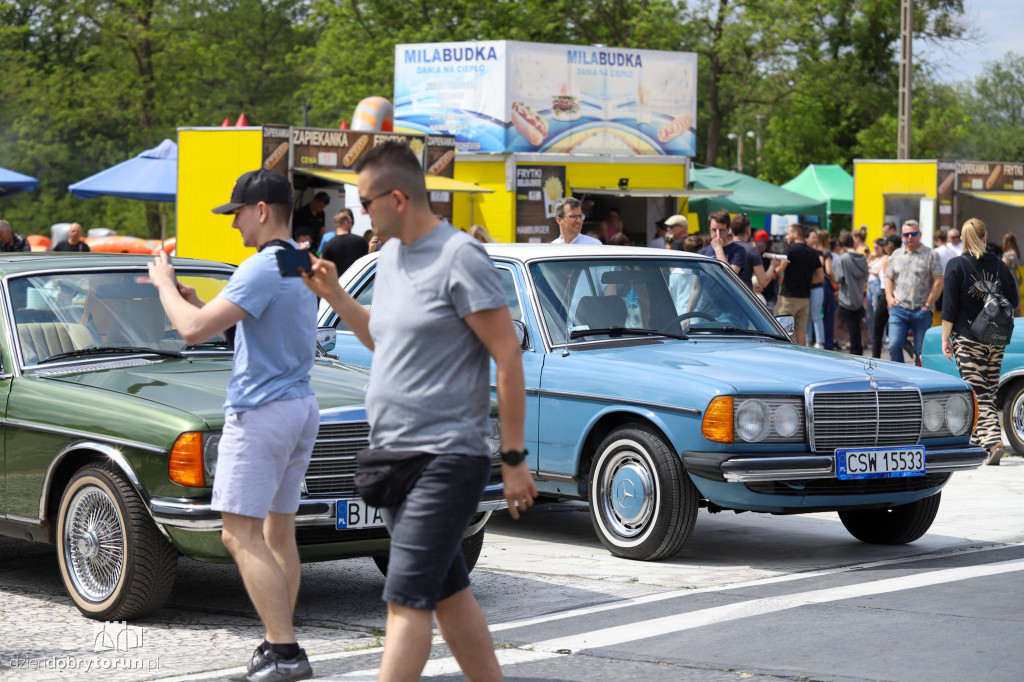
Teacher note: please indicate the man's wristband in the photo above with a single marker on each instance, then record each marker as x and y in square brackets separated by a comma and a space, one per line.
[513, 457]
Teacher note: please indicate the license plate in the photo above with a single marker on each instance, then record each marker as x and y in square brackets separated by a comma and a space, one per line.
[357, 514]
[880, 463]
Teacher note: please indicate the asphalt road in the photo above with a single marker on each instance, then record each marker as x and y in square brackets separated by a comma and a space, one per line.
[750, 597]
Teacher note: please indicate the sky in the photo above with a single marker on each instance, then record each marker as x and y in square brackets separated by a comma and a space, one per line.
[999, 25]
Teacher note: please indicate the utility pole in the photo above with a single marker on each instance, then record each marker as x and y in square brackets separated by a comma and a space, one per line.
[906, 77]
[305, 114]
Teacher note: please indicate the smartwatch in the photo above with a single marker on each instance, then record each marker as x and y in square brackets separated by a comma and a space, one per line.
[513, 457]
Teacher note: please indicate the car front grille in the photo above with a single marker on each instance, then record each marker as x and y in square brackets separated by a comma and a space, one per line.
[332, 468]
[882, 417]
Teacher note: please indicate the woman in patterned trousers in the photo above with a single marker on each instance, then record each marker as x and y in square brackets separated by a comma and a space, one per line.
[967, 279]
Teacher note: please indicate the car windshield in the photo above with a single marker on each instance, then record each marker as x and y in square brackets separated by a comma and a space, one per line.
[89, 313]
[584, 300]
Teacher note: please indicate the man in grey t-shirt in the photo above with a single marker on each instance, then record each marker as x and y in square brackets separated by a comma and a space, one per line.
[438, 315]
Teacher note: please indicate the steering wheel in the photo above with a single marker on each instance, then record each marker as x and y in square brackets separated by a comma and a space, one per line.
[686, 316]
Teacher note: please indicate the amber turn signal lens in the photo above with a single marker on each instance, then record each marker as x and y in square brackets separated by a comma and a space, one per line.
[186, 464]
[974, 424]
[718, 420]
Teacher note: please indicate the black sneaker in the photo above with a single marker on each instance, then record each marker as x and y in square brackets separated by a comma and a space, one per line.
[266, 666]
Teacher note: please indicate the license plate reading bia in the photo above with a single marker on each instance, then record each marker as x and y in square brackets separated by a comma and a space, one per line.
[357, 514]
[880, 463]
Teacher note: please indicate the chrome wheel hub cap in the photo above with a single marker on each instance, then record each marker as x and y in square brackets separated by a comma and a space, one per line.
[627, 494]
[94, 544]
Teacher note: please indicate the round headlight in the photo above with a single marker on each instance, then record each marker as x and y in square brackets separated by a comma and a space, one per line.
[787, 421]
[959, 414]
[934, 415]
[753, 420]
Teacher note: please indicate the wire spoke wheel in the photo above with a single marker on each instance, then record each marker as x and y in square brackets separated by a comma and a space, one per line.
[94, 543]
[115, 562]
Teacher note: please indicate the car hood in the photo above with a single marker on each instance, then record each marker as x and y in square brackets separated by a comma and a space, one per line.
[199, 385]
[732, 366]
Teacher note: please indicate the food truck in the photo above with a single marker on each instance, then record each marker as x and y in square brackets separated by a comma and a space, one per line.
[614, 127]
[314, 159]
[939, 194]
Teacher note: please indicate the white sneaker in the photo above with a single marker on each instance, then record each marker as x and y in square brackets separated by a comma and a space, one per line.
[819, 345]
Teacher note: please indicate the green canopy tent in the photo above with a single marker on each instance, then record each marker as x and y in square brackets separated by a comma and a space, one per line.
[749, 195]
[830, 184]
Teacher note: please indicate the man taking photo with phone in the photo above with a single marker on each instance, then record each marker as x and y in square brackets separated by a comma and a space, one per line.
[271, 415]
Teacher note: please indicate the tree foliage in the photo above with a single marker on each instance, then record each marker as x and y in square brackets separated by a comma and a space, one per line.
[90, 83]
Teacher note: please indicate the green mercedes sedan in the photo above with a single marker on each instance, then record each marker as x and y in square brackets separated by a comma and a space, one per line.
[111, 424]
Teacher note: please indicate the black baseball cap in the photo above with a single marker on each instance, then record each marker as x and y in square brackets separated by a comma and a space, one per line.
[255, 186]
[894, 240]
[323, 196]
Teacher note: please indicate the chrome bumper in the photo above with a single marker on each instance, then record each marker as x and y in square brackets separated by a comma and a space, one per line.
[199, 516]
[806, 465]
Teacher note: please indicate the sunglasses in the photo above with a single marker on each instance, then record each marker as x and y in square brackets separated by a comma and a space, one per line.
[366, 202]
[954, 238]
[911, 234]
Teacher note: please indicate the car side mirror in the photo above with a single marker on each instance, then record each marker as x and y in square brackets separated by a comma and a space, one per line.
[521, 335]
[327, 337]
[788, 323]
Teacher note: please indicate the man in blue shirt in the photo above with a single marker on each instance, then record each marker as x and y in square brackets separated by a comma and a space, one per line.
[271, 415]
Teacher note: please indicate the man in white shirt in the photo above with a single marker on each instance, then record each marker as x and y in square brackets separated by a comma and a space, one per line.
[954, 241]
[569, 216]
[942, 247]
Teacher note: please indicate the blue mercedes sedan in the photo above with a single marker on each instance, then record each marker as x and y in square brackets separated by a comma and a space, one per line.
[657, 384]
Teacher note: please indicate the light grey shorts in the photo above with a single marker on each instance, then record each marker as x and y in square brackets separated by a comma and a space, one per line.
[263, 456]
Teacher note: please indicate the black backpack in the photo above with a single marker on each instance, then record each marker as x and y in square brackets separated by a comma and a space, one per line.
[994, 324]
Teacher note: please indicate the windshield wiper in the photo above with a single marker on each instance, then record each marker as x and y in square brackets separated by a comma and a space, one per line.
[616, 332]
[220, 343]
[737, 330]
[109, 350]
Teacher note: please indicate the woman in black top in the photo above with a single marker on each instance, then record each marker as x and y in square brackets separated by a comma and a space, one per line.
[963, 295]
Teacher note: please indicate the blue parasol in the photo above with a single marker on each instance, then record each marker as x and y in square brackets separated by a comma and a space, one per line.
[150, 176]
[12, 183]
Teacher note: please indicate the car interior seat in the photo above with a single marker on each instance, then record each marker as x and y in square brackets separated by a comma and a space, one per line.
[601, 312]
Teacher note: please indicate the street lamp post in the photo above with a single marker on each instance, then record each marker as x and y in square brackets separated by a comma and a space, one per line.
[739, 146]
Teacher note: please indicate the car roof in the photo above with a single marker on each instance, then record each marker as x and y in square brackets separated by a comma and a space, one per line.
[530, 252]
[526, 253]
[23, 262]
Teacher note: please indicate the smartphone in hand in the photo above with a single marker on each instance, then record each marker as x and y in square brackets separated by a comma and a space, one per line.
[292, 262]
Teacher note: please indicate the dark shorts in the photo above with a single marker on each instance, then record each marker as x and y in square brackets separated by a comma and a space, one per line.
[426, 564]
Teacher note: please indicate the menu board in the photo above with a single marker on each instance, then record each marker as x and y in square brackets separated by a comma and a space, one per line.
[537, 190]
[946, 178]
[983, 176]
[439, 159]
[508, 96]
[276, 143]
[329, 149]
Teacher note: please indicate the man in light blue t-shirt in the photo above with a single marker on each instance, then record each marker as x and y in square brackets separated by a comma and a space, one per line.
[271, 415]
